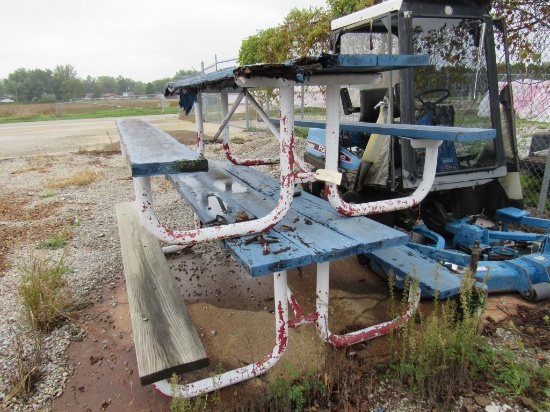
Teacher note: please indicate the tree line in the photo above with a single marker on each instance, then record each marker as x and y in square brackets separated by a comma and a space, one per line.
[303, 32]
[307, 31]
[63, 84]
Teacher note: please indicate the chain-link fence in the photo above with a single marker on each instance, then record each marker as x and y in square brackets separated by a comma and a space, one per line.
[531, 92]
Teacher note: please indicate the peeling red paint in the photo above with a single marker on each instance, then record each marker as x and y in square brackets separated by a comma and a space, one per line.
[282, 336]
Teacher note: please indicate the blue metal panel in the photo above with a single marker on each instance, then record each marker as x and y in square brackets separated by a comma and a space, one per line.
[403, 262]
[298, 70]
[403, 60]
[217, 80]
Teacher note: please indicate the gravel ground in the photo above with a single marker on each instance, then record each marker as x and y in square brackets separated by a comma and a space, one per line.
[31, 211]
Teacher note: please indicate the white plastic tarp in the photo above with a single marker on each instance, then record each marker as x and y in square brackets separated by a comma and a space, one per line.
[531, 100]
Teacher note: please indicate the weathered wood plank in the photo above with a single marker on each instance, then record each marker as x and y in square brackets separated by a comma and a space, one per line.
[164, 335]
[151, 151]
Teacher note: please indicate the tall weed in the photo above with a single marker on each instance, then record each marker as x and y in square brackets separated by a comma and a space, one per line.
[43, 291]
[442, 353]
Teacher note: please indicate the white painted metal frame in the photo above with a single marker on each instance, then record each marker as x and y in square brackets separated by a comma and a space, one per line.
[252, 370]
[282, 294]
[149, 219]
[282, 297]
[321, 315]
[332, 133]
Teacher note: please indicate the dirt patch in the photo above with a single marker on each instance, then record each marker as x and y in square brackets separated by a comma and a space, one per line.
[24, 221]
[533, 323]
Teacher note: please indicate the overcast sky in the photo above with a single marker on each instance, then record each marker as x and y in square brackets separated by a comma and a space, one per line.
[137, 39]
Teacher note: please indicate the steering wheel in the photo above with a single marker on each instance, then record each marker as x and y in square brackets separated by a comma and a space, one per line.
[446, 93]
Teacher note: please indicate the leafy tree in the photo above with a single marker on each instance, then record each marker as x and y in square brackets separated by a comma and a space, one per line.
[307, 31]
[267, 46]
[160, 84]
[528, 24]
[304, 32]
[105, 85]
[47, 98]
[2, 88]
[343, 7]
[124, 85]
[65, 81]
[28, 85]
[149, 89]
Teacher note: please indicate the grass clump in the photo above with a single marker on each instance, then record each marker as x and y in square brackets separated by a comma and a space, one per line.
[26, 350]
[296, 390]
[58, 241]
[179, 403]
[82, 178]
[43, 291]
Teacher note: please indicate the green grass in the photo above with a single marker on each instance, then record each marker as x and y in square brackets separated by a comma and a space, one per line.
[94, 115]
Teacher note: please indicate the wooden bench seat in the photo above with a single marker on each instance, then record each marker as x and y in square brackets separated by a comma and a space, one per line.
[165, 338]
[447, 133]
[151, 151]
[312, 231]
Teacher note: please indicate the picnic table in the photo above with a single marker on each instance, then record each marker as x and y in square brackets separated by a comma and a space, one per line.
[254, 206]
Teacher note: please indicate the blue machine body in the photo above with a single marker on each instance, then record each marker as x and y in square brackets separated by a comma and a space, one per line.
[347, 160]
[502, 266]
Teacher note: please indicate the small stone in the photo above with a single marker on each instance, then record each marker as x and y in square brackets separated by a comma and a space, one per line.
[213, 332]
[481, 400]
[113, 304]
[492, 408]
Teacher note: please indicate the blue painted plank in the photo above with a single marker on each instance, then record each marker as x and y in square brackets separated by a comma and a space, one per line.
[151, 151]
[402, 60]
[413, 131]
[320, 235]
[403, 261]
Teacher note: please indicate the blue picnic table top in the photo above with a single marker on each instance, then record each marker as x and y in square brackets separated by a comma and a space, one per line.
[296, 70]
[151, 151]
[312, 231]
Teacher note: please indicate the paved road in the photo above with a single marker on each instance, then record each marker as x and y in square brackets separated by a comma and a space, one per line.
[69, 136]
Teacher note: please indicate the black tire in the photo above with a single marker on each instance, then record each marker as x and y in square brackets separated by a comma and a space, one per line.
[438, 208]
[315, 188]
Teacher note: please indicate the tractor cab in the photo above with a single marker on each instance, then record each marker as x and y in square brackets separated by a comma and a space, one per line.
[466, 83]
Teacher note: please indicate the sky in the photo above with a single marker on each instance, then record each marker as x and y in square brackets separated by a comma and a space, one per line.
[142, 40]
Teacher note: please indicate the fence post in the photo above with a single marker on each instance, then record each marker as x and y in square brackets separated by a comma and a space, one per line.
[246, 112]
[302, 102]
[545, 181]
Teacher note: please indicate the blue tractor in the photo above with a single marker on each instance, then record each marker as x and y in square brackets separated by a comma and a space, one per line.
[466, 83]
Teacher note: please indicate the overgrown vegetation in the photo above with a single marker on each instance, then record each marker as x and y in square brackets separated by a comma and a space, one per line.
[43, 291]
[440, 354]
[436, 358]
